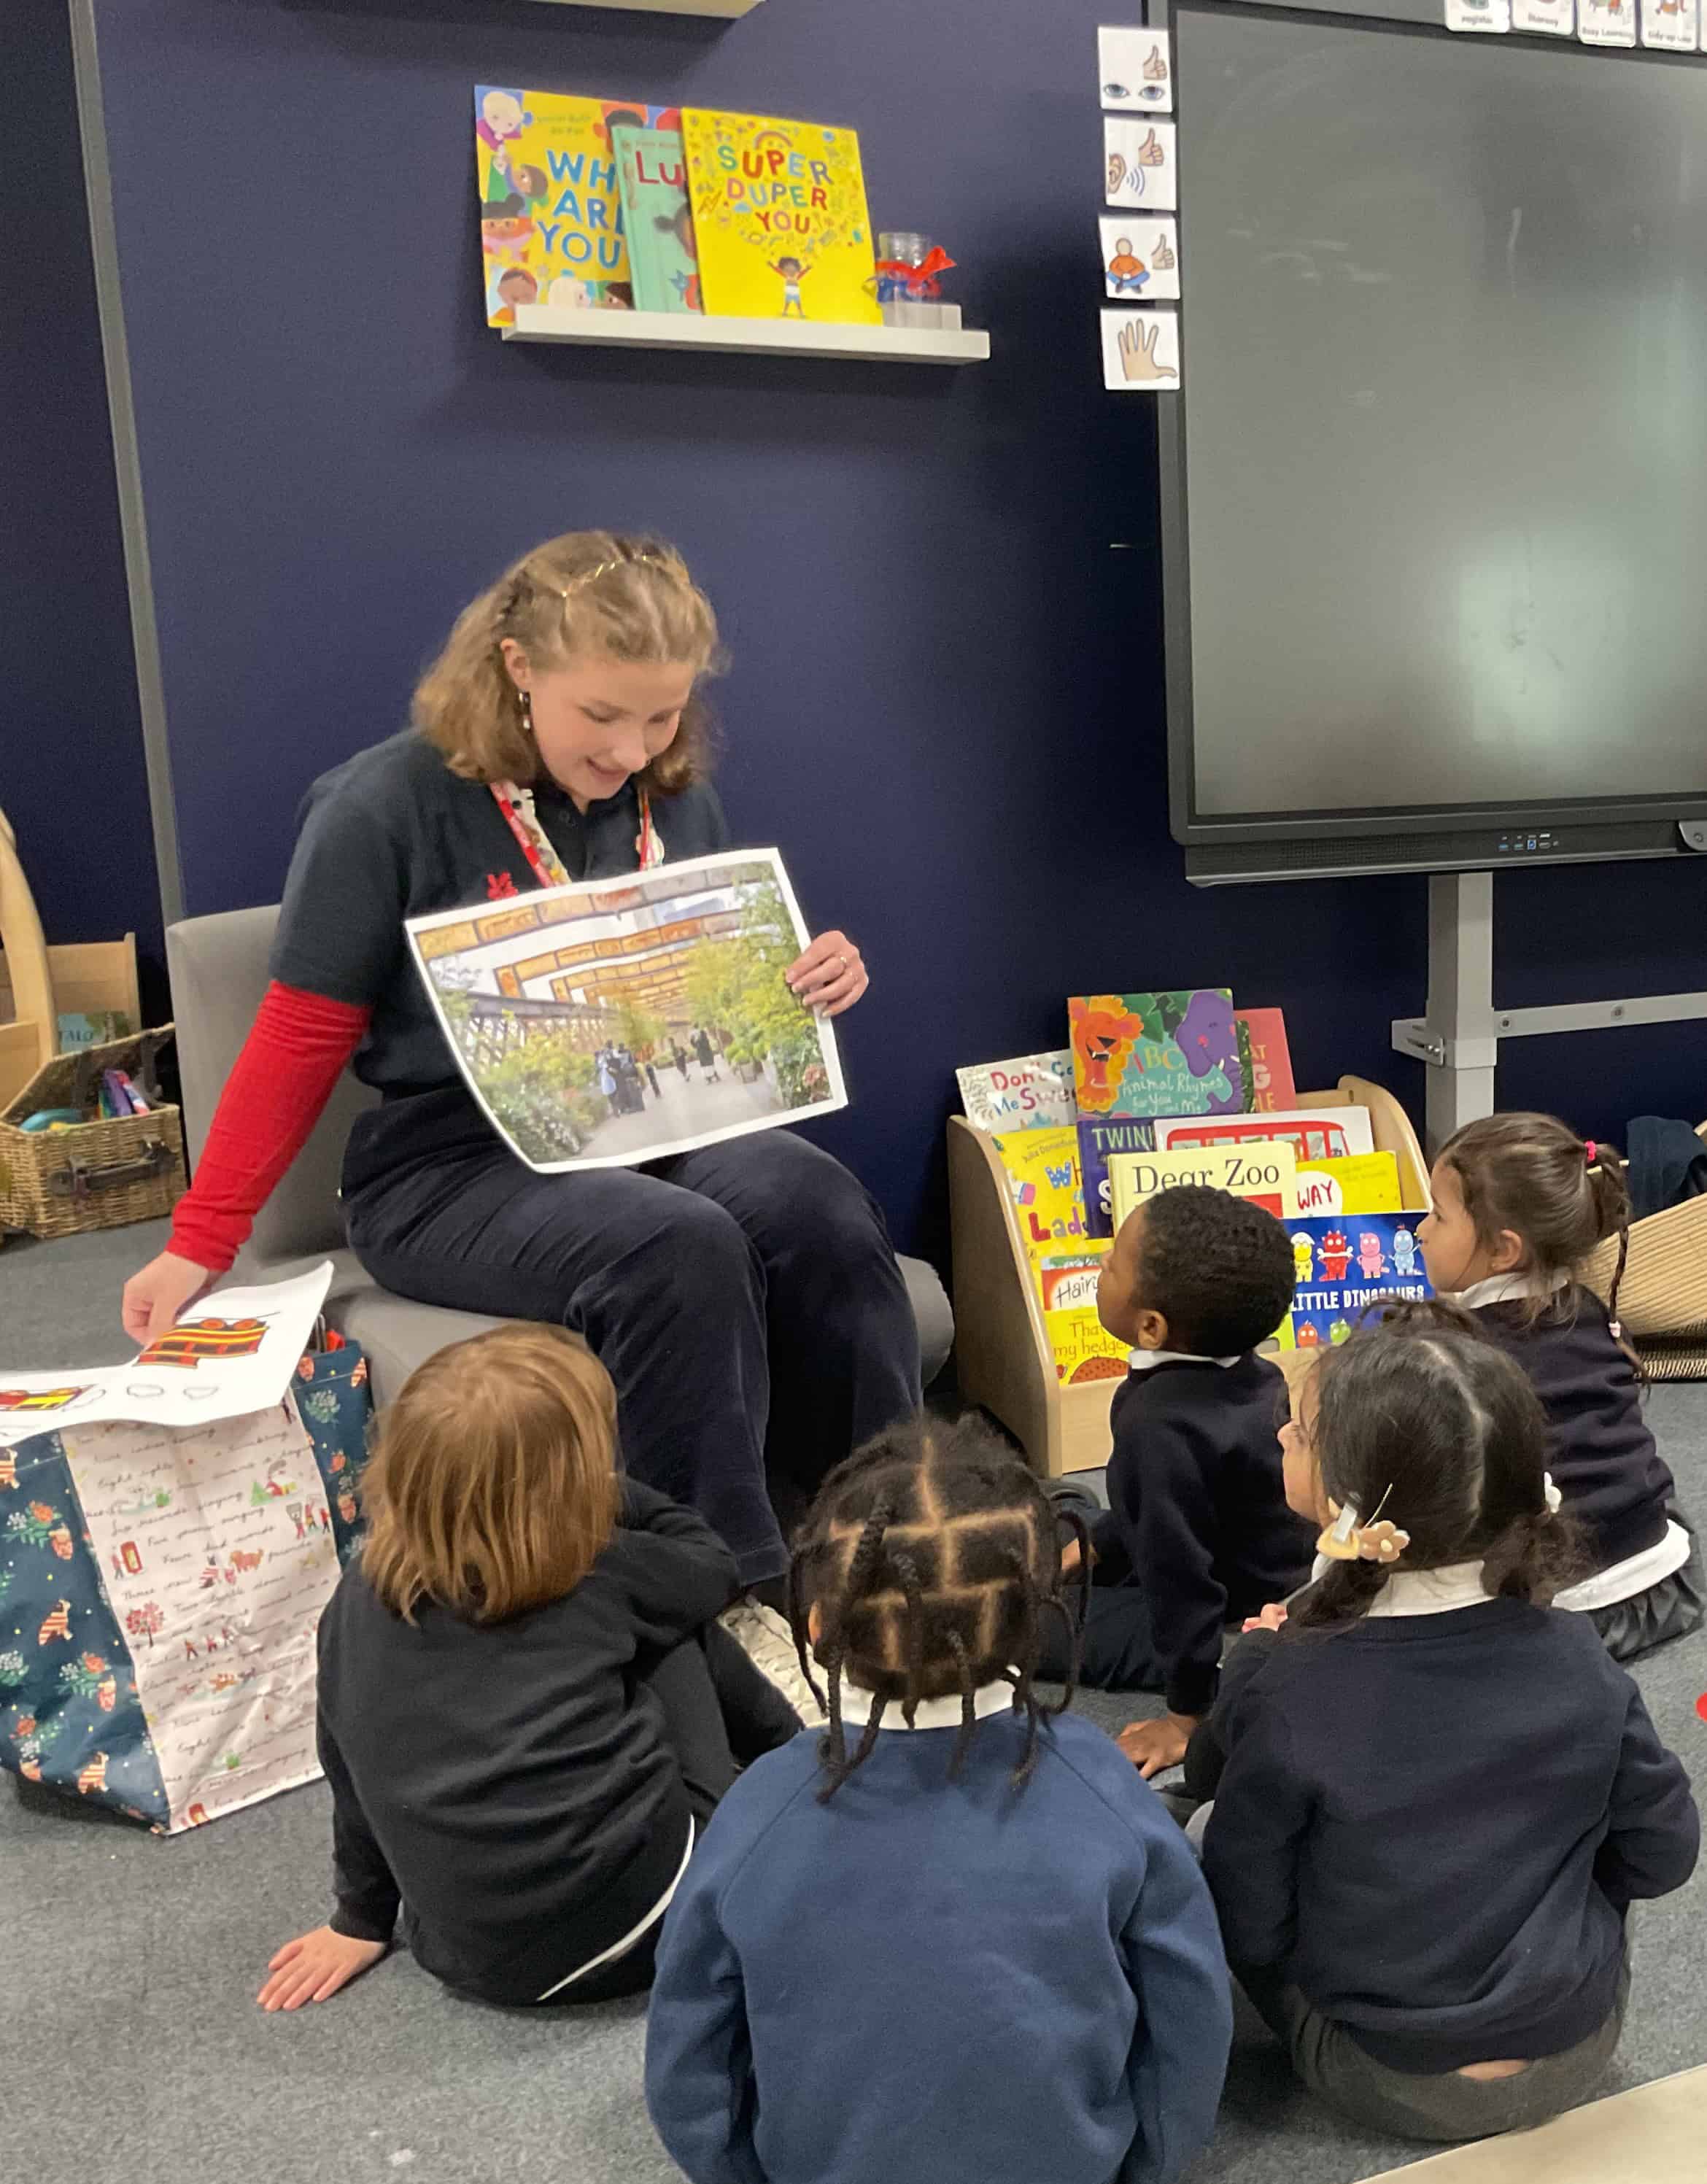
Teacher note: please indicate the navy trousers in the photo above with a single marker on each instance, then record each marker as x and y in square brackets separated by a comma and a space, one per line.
[744, 1298]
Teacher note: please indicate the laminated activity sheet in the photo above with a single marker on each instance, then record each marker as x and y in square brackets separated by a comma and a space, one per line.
[215, 1547]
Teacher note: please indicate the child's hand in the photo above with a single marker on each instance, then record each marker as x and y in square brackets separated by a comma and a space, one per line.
[314, 1966]
[1151, 1745]
[1271, 1619]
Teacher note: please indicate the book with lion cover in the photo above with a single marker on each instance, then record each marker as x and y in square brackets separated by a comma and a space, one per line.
[779, 214]
[1148, 1054]
[552, 226]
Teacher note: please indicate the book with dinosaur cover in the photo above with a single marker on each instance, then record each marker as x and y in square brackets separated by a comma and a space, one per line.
[658, 227]
[1150, 1054]
[550, 211]
[779, 213]
[1346, 1267]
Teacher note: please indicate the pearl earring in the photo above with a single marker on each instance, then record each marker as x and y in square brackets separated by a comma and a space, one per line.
[525, 701]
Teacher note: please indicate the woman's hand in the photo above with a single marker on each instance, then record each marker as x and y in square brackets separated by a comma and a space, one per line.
[155, 1297]
[1151, 1745]
[314, 1966]
[830, 977]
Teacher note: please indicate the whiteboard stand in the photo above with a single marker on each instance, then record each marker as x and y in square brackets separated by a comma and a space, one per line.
[1458, 1039]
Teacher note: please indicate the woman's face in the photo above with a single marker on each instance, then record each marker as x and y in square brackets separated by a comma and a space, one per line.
[597, 722]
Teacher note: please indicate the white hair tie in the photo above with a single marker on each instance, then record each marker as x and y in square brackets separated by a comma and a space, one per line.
[1554, 1499]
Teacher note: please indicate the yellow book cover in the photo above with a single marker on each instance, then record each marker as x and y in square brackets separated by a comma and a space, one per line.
[1083, 1348]
[550, 215]
[1043, 1181]
[779, 213]
[1264, 1174]
[1361, 1183]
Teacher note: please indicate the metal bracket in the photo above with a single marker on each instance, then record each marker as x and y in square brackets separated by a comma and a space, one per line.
[1458, 1038]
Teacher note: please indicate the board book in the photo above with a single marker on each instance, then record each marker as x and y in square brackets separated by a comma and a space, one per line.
[1344, 1269]
[550, 211]
[780, 213]
[1361, 1183]
[1264, 1174]
[1148, 1054]
[658, 227]
[1032, 1092]
[1099, 1140]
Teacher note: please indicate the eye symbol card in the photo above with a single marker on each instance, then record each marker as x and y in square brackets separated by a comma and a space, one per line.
[1136, 69]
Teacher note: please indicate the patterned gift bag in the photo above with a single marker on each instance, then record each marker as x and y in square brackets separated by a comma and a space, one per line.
[157, 1630]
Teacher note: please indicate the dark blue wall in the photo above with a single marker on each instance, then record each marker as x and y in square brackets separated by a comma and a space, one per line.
[943, 700]
[71, 773]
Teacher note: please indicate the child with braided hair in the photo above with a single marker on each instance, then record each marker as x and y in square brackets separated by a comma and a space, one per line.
[957, 1937]
[1440, 1797]
[1521, 1203]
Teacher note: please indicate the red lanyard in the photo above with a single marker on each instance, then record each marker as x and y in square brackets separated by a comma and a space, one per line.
[543, 861]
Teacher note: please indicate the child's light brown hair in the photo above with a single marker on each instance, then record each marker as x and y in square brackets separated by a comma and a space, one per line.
[493, 1486]
[1533, 1175]
[581, 594]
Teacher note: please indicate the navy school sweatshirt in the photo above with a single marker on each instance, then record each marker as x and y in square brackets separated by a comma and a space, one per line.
[954, 1982]
[509, 1785]
[1197, 1512]
[1433, 1825]
[1598, 1448]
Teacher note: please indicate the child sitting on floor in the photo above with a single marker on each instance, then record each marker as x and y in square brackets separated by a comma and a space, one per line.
[972, 1949]
[1520, 1204]
[1197, 1534]
[526, 1709]
[1440, 1799]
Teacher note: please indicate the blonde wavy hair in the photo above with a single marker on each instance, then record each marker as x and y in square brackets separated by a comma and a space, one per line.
[493, 1487]
[587, 593]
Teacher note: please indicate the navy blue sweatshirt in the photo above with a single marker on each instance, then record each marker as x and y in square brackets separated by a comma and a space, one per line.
[1432, 1825]
[950, 1982]
[1598, 1448]
[509, 1784]
[1197, 1512]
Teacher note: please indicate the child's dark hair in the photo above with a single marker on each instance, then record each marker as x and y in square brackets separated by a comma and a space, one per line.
[932, 1558]
[1533, 1175]
[1423, 1416]
[1219, 1269]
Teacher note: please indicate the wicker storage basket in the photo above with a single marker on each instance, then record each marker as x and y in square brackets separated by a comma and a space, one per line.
[1662, 1301]
[97, 1175]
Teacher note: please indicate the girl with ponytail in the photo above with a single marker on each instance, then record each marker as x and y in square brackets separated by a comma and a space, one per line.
[1440, 1799]
[1520, 1204]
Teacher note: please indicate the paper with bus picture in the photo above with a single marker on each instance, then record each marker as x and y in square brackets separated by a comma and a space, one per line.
[613, 1021]
[231, 1354]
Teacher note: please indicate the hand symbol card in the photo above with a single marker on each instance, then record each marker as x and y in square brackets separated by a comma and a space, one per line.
[1141, 352]
[1140, 258]
[1136, 69]
[1138, 159]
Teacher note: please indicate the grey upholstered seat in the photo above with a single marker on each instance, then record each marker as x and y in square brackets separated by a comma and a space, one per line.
[218, 968]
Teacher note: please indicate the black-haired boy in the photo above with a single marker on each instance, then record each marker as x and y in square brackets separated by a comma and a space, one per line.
[1197, 1534]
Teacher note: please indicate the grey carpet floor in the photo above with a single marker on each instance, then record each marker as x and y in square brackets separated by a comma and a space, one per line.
[132, 2052]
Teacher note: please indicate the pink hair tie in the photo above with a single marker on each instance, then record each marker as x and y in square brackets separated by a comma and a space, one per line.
[1591, 1151]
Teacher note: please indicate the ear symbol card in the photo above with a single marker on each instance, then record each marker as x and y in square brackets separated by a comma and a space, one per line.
[1138, 161]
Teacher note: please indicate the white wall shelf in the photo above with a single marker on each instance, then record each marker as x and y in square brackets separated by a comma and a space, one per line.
[545, 322]
[726, 9]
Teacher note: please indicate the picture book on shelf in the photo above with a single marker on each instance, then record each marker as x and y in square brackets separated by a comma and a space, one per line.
[1033, 1092]
[658, 227]
[1083, 1348]
[1149, 1054]
[779, 213]
[551, 228]
[1099, 1138]
[1269, 1058]
[1042, 1171]
[1067, 1281]
[1313, 1133]
[1360, 1182]
[1344, 1267]
[1264, 1174]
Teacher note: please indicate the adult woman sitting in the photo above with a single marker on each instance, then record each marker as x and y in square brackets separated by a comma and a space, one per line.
[744, 1297]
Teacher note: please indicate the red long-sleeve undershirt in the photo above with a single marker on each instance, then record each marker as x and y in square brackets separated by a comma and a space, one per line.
[294, 1054]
